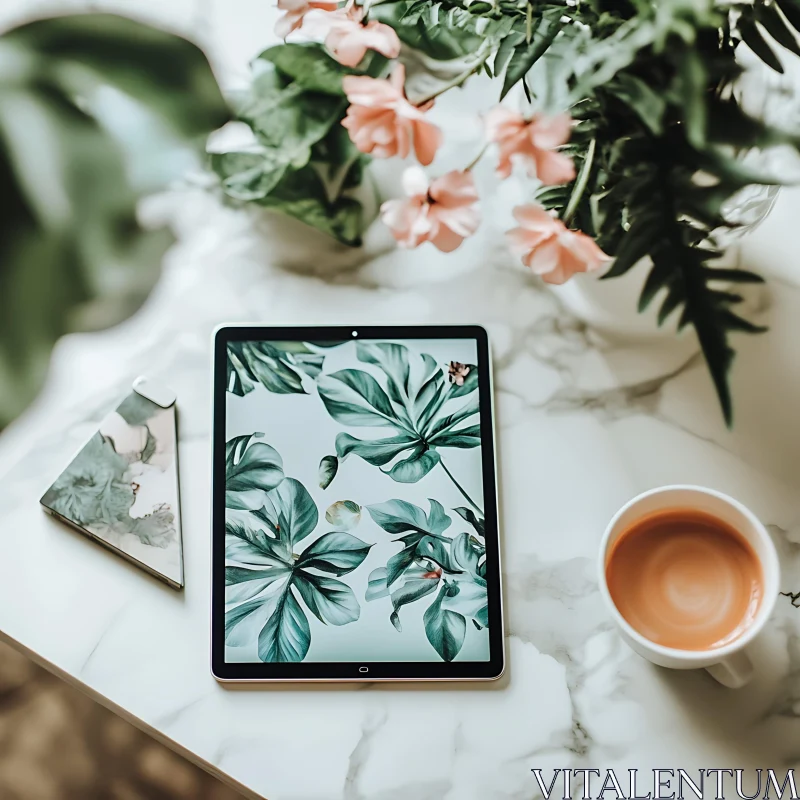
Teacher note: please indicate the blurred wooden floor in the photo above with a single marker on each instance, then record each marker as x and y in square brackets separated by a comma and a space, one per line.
[57, 744]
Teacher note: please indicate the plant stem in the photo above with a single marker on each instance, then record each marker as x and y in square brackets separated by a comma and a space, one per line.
[580, 184]
[477, 158]
[460, 488]
[528, 23]
[458, 80]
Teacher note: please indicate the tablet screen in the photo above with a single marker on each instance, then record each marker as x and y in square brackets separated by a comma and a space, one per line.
[354, 502]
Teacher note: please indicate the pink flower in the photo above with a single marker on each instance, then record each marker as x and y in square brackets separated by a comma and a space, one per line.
[381, 121]
[533, 142]
[348, 37]
[551, 249]
[457, 372]
[444, 213]
[296, 11]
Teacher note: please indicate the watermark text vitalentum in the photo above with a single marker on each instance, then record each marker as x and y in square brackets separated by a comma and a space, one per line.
[666, 784]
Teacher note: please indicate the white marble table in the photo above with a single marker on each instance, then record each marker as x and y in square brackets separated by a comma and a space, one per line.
[583, 425]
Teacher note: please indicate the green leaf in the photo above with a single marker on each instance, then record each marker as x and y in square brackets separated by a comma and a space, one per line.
[73, 255]
[436, 429]
[462, 438]
[354, 397]
[733, 275]
[752, 37]
[244, 584]
[445, 629]
[331, 601]
[658, 278]
[344, 515]
[248, 544]
[791, 10]
[647, 103]
[471, 601]
[336, 552]
[286, 637]
[250, 175]
[278, 366]
[288, 118]
[400, 562]
[393, 360]
[251, 465]
[399, 516]
[376, 586]
[413, 589]
[415, 467]
[671, 302]
[244, 621]
[734, 322]
[434, 551]
[771, 19]
[158, 69]
[693, 83]
[301, 194]
[328, 467]
[505, 50]
[469, 515]
[258, 553]
[466, 552]
[412, 403]
[291, 511]
[636, 244]
[526, 55]
[375, 451]
[438, 40]
[309, 66]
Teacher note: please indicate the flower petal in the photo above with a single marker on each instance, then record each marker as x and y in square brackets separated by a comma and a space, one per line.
[535, 218]
[502, 122]
[554, 168]
[427, 138]
[446, 240]
[545, 258]
[550, 132]
[586, 249]
[455, 188]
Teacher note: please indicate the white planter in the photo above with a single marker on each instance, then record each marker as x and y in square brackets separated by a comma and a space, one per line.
[610, 306]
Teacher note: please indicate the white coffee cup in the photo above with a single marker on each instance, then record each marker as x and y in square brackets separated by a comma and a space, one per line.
[729, 664]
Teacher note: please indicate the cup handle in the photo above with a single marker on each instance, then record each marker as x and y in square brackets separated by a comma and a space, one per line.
[734, 672]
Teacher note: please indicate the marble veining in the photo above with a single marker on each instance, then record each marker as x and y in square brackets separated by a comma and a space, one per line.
[585, 421]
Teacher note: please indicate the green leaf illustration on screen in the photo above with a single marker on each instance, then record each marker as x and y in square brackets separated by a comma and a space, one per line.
[412, 411]
[267, 572]
[430, 561]
[413, 399]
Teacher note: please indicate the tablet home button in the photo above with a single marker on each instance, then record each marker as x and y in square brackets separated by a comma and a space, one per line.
[363, 669]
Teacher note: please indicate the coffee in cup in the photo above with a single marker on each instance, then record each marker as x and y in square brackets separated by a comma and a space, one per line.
[690, 576]
[685, 579]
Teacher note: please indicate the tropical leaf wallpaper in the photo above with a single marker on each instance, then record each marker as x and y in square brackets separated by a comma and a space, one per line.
[354, 522]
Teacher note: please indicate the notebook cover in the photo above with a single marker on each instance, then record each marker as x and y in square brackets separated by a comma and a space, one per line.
[122, 487]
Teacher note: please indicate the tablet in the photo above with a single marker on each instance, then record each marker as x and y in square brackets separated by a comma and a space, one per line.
[355, 532]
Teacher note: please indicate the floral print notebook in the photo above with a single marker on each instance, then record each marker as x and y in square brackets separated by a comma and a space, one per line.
[122, 487]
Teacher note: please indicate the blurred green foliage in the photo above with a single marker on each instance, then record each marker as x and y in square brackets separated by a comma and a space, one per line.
[72, 254]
